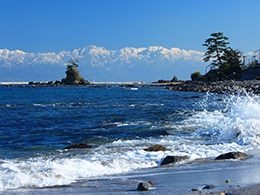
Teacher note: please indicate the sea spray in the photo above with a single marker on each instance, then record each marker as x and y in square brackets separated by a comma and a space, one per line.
[241, 122]
[238, 120]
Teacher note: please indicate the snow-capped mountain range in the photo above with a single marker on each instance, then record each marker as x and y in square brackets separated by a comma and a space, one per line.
[127, 64]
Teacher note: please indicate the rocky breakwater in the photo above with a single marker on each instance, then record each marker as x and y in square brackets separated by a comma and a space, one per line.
[219, 87]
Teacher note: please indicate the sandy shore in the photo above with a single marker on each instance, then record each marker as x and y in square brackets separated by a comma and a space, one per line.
[243, 175]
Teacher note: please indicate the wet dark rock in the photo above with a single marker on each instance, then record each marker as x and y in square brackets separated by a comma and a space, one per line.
[191, 97]
[156, 148]
[144, 186]
[79, 146]
[173, 159]
[195, 189]
[209, 187]
[152, 182]
[232, 155]
[164, 132]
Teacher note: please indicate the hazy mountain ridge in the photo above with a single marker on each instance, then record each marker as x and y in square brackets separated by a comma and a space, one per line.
[95, 60]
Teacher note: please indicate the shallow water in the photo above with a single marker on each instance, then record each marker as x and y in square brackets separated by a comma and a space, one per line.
[38, 123]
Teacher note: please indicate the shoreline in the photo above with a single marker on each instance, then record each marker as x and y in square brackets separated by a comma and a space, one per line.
[244, 176]
[218, 87]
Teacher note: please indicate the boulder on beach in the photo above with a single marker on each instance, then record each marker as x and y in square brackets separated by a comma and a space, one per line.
[156, 148]
[144, 186]
[173, 159]
[195, 189]
[209, 187]
[232, 155]
[82, 145]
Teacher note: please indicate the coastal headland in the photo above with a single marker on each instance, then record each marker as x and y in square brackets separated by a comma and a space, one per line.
[219, 87]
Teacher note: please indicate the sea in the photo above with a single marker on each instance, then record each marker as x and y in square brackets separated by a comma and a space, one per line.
[37, 124]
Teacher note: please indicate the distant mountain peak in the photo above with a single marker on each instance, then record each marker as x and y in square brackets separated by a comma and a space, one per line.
[121, 61]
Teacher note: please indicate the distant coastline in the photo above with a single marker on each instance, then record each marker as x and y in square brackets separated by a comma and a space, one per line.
[14, 83]
[51, 83]
[218, 87]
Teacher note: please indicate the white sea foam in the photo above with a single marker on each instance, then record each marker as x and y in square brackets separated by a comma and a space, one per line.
[40, 172]
[239, 122]
[205, 134]
[119, 124]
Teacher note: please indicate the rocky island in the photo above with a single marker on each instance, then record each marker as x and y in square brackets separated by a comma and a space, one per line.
[73, 76]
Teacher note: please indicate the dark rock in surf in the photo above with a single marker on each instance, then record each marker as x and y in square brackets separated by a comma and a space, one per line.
[173, 159]
[156, 148]
[152, 182]
[144, 186]
[232, 155]
[164, 132]
[191, 97]
[195, 189]
[79, 146]
[209, 187]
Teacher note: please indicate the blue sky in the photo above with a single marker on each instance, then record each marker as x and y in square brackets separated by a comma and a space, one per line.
[55, 25]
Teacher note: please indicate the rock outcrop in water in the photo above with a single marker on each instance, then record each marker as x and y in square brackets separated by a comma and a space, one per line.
[156, 148]
[73, 77]
[79, 146]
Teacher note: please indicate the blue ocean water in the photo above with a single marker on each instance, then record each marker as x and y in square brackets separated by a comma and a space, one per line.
[36, 124]
[45, 119]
